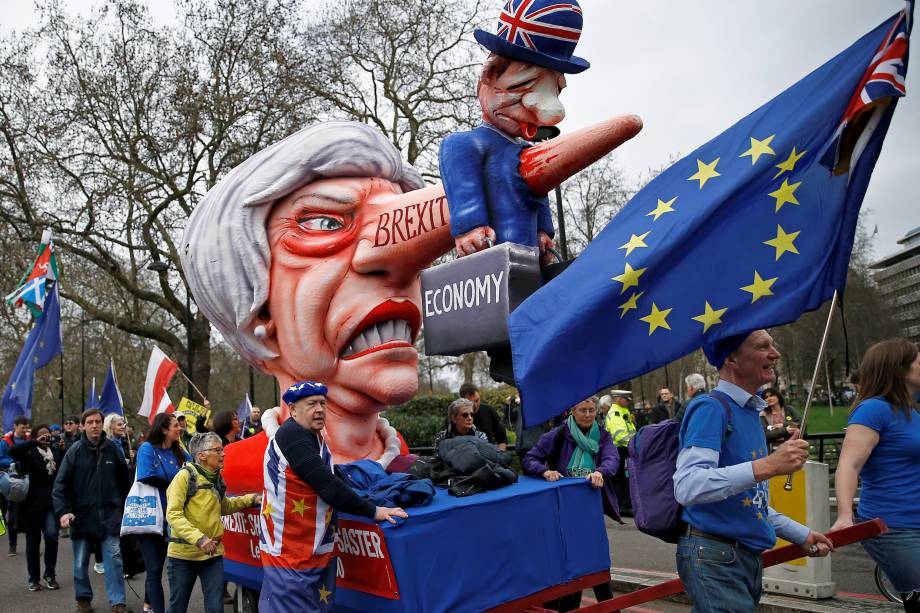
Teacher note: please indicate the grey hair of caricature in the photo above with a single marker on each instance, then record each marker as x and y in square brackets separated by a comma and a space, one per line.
[202, 441]
[454, 408]
[696, 381]
[225, 252]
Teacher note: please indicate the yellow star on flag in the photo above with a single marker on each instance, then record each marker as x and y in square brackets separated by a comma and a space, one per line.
[747, 501]
[268, 508]
[788, 165]
[759, 148]
[705, 172]
[710, 317]
[785, 193]
[760, 287]
[760, 516]
[783, 241]
[635, 242]
[629, 278]
[656, 319]
[324, 594]
[662, 208]
[754, 455]
[630, 304]
[299, 506]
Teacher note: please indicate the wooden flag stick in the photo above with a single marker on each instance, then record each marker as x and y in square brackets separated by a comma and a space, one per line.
[195, 387]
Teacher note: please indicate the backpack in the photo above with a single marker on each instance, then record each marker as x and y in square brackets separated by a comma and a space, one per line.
[651, 464]
[193, 486]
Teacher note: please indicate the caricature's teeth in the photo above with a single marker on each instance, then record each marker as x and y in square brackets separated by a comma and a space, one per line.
[378, 334]
[386, 330]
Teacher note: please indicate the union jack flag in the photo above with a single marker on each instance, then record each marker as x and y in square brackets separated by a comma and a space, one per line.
[882, 83]
[520, 20]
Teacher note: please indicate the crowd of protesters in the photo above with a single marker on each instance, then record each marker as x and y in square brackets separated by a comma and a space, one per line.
[79, 479]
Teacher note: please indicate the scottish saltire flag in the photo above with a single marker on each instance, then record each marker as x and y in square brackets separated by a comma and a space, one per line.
[42, 344]
[30, 291]
[748, 231]
[245, 408]
[92, 401]
[111, 401]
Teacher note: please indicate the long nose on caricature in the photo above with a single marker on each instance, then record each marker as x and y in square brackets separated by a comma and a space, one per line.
[407, 232]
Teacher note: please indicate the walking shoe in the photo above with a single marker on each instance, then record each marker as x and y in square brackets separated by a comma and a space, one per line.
[120, 608]
[51, 584]
[84, 606]
[34, 586]
[12, 552]
[99, 568]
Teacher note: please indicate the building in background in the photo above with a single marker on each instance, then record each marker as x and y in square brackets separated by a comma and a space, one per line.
[898, 278]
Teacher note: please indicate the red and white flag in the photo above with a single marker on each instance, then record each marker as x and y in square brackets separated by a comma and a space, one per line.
[160, 371]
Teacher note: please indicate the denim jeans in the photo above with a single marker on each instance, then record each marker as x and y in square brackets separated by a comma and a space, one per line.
[33, 543]
[897, 552]
[182, 575]
[153, 550]
[111, 559]
[719, 577]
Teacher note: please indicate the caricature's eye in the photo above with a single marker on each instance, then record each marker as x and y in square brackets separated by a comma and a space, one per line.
[522, 85]
[320, 223]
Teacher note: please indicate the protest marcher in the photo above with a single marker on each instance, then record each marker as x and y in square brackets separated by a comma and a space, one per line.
[485, 417]
[579, 448]
[19, 434]
[71, 430]
[88, 495]
[115, 427]
[722, 477]
[779, 421]
[184, 435]
[252, 425]
[40, 461]
[158, 461]
[298, 537]
[696, 385]
[882, 449]
[227, 426]
[460, 422]
[195, 501]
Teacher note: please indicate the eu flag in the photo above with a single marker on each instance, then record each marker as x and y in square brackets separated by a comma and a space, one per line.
[749, 231]
[42, 344]
[110, 400]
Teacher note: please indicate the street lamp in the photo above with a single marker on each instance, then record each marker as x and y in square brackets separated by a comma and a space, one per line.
[546, 133]
[161, 266]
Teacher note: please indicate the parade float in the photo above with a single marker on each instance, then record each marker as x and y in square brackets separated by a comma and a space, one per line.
[308, 258]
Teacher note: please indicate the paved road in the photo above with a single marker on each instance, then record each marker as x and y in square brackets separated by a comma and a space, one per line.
[852, 569]
[15, 597]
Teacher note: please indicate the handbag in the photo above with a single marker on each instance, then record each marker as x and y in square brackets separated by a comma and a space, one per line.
[143, 511]
[14, 487]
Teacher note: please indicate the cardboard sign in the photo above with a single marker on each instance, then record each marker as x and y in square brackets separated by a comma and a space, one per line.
[241, 536]
[363, 561]
[192, 410]
[466, 302]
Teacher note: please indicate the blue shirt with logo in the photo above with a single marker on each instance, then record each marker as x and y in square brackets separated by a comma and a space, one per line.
[742, 516]
[891, 475]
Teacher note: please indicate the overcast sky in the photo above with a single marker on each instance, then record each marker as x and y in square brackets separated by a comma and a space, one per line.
[692, 69]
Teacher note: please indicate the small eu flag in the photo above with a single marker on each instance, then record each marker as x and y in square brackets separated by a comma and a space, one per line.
[751, 230]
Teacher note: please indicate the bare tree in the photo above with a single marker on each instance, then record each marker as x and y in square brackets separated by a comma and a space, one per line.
[409, 68]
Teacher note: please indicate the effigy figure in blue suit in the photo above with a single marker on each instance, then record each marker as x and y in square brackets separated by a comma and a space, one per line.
[518, 91]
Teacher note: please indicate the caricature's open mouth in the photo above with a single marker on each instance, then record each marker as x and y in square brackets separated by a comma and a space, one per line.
[528, 130]
[390, 325]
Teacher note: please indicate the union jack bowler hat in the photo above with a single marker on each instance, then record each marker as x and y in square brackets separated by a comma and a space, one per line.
[540, 32]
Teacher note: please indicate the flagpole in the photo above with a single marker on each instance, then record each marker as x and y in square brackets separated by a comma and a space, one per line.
[195, 387]
[61, 389]
[814, 378]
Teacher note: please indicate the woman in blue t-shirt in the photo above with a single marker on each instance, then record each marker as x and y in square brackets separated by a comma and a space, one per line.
[882, 446]
[158, 461]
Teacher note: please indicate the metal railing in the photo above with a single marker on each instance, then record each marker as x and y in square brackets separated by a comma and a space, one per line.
[825, 447]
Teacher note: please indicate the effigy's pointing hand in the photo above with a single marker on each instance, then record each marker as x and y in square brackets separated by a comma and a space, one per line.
[475, 240]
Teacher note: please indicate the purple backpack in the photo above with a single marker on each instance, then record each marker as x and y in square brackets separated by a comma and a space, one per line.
[651, 464]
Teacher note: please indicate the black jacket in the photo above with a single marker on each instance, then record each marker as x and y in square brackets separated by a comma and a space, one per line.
[92, 483]
[31, 512]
